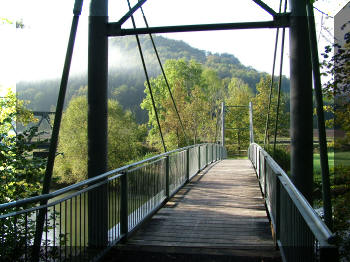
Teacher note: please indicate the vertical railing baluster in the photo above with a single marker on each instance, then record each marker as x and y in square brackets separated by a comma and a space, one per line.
[199, 158]
[124, 205]
[167, 171]
[265, 183]
[206, 154]
[187, 164]
[278, 208]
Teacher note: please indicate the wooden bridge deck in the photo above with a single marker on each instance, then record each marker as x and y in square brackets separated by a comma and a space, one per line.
[220, 213]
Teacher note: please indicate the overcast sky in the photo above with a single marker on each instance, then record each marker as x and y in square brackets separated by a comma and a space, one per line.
[37, 51]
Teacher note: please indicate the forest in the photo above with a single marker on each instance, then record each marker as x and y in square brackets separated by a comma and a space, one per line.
[126, 77]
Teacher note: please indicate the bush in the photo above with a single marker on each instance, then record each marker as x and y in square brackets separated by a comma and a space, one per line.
[281, 156]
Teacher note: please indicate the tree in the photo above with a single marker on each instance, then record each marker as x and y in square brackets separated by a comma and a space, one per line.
[337, 69]
[196, 92]
[124, 140]
[260, 105]
[20, 176]
[20, 172]
[237, 118]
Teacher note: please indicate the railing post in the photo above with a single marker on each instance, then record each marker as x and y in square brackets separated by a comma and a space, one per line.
[212, 153]
[167, 171]
[257, 156]
[124, 225]
[217, 152]
[278, 208]
[206, 154]
[265, 177]
[199, 158]
[187, 164]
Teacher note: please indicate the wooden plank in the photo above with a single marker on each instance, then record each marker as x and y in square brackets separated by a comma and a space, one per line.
[220, 209]
[253, 245]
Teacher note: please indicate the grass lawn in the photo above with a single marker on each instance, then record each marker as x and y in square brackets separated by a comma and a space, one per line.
[337, 158]
[237, 157]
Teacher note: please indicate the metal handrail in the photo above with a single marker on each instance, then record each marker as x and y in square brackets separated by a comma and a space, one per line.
[305, 208]
[87, 181]
[260, 159]
[97, 213]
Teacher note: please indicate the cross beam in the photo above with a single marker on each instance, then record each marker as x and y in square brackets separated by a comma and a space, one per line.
[131, 12]
[114, 29]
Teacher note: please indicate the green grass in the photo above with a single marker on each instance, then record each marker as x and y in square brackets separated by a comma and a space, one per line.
[338, 158]
[317, 162]
[237, 157]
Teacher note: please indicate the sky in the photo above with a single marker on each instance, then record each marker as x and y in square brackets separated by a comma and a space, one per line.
[37, 52]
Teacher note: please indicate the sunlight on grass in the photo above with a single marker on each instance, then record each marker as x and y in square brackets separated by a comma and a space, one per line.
[337, 158]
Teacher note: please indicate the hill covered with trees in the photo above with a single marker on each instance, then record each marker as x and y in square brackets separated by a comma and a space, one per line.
[126, 76]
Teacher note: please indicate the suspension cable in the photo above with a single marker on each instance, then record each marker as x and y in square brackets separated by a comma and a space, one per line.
[147, 79]
[279, 85]
[164, 75]
[266, 140]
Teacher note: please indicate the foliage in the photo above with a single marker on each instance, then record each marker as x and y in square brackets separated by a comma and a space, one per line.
[126, 76]
[260, 107]
[13, 112]
[123, 140]
[281, 156]
[340, 193]
[21, 175]
[20, 172]
[237, 118]
[337, 68]
[340, 197]
[196, 92]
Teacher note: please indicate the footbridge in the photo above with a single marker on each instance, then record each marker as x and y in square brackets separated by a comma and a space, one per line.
[192, 203]
[189, 204]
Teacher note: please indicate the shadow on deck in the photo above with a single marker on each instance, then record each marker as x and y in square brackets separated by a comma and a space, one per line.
[218, 216]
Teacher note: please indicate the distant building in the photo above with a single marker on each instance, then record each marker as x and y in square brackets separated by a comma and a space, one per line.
[342, 25]
[342, 38]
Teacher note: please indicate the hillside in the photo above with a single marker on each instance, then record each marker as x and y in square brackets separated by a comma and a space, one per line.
[126, 77]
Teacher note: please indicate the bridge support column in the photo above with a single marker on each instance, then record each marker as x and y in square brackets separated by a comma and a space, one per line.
[301, 110]
[97, 121]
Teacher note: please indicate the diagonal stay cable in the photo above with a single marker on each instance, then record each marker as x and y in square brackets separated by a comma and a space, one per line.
[164, 75]
[279, 85]
[147, 79]
[266, 140]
